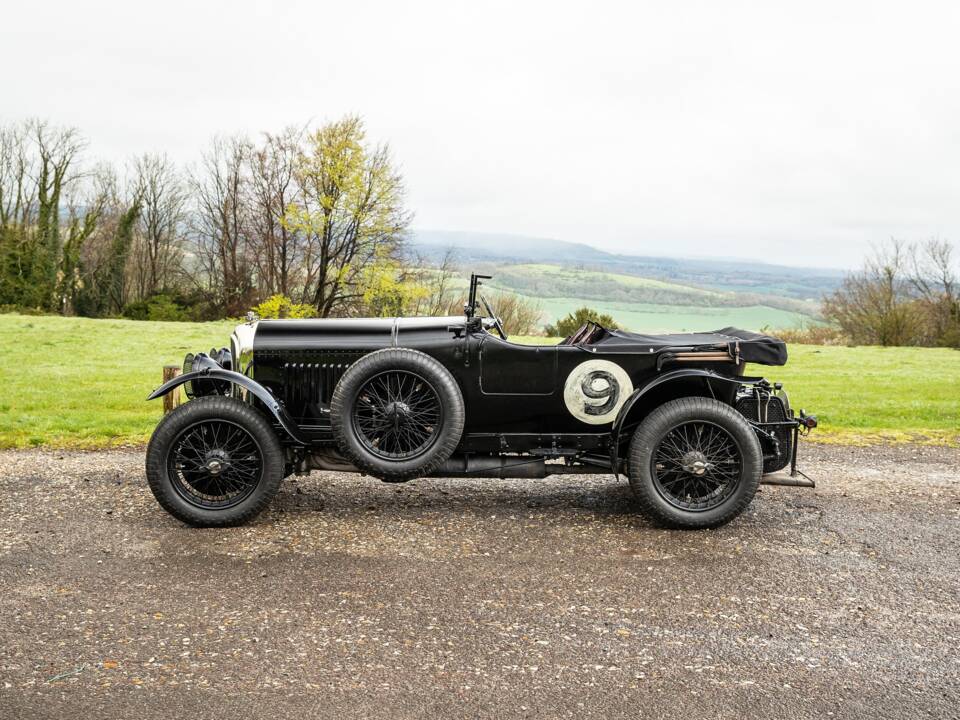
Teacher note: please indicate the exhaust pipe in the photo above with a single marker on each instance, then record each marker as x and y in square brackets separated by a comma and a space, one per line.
[507, 466]
[486, 466]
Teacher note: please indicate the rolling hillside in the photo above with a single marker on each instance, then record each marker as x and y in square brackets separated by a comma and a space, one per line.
[655, 294]
[731, 275]
[642, 304]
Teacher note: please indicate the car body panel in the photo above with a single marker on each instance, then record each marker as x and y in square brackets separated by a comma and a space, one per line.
[508, 388]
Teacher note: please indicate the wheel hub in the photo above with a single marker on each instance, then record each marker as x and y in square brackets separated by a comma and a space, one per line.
[695, 463]
[215, 461]
[397, 411]
[399, 415]
[215, 464]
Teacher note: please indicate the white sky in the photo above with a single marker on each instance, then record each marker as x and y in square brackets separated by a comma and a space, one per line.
[792, 132]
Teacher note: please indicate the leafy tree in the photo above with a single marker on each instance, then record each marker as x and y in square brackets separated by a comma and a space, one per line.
[572, 322]
[350, 211]
[388, 289]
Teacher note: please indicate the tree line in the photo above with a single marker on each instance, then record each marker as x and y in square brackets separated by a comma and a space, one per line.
[312, 223]
[315, 217]
[905, 294]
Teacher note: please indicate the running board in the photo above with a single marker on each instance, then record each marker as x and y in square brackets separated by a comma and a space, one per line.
[796, 479]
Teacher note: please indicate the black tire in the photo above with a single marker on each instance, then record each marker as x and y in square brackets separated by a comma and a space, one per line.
[221, 430]
[669, 484]
[397, 414]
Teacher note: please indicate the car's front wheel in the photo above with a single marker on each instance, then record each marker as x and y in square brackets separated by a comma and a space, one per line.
[694, 463]
[214, 462]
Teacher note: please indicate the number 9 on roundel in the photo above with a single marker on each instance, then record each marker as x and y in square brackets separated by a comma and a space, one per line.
[595, 391]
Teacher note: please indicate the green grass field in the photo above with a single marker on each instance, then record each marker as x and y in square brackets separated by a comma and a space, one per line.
[653, 318]
[644, 304]
[76, 382]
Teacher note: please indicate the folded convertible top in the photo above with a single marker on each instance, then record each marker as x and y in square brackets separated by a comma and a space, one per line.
[753, 347]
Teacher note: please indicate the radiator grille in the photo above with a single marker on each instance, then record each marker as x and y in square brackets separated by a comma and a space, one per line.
[311, 383]
[747, 406]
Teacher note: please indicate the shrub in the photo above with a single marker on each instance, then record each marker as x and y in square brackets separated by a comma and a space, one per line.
[520, 315]
[280, 306]
[572, 322]
[810, 335]
[157, 307]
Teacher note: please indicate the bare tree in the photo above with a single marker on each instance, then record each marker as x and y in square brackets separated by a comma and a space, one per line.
[17, 188]
[219, 226]
[874, 306]
[438, 280]
[934, 283]
[272, 188]
[158, 247]
[57, 148]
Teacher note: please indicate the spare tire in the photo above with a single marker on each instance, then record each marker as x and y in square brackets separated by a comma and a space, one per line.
[397, 414]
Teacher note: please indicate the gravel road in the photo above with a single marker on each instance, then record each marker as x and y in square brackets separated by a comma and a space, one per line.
[548, 598]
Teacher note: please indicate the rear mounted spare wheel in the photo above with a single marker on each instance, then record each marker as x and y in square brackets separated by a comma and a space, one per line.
[397, 414]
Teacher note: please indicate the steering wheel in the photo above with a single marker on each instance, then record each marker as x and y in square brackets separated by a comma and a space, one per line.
[496, 321]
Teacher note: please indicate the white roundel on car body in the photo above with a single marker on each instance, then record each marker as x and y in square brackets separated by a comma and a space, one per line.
[596, 390]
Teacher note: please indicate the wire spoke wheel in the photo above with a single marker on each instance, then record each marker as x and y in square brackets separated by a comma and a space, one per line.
[398, 415]
[215, 464]
[696, 465]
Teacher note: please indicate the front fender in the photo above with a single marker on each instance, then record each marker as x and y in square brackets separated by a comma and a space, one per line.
[235, 378]
[659, 380]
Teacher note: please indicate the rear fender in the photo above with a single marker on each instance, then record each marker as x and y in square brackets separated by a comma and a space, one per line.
[234, 378]
[637, 395]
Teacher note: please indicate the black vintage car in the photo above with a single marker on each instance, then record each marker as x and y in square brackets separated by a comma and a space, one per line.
[401, 398]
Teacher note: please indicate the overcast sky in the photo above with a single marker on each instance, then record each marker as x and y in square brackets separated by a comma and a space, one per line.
[793, 132]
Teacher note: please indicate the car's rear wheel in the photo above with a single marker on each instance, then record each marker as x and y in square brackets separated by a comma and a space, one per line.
[214, 462]
[694, 463]
[397, 414]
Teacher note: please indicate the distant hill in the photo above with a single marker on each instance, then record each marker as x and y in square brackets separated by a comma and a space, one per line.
[491, 246]
[740, 276]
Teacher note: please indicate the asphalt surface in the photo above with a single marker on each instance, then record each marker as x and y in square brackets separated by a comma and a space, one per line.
[548, 598]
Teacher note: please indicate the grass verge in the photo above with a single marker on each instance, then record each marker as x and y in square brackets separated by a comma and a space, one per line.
[82, 383]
